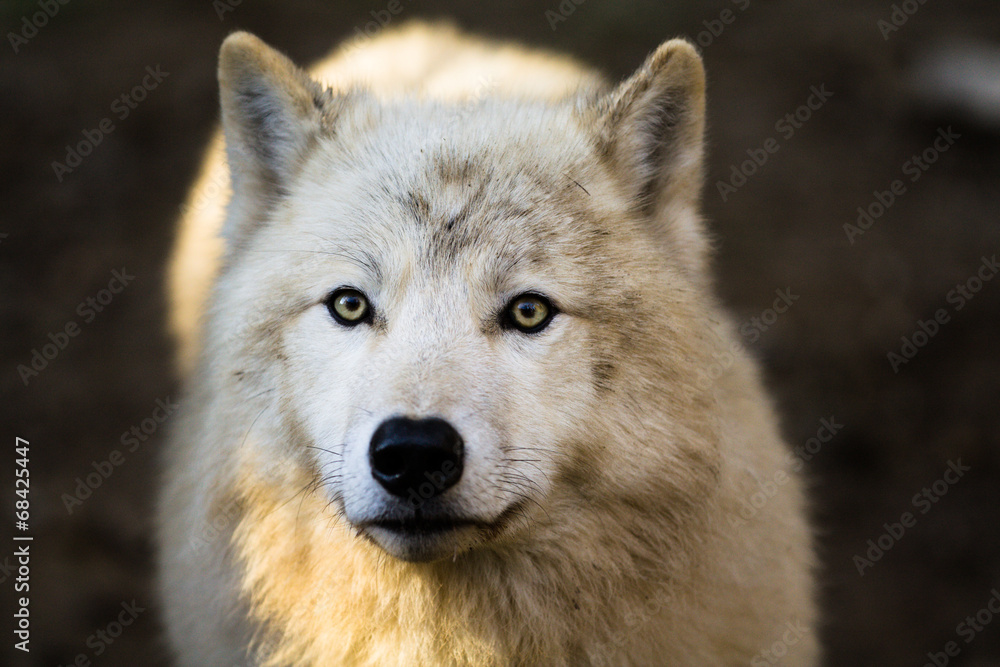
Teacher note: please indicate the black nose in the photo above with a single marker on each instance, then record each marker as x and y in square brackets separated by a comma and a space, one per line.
[422, 456]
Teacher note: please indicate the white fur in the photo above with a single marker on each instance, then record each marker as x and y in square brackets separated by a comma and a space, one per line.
[441, 198]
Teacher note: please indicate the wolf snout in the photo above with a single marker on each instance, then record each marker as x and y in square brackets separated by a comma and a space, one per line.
[416, 455]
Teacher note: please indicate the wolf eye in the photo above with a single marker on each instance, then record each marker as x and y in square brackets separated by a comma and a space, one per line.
[348, 306]
[529, 313]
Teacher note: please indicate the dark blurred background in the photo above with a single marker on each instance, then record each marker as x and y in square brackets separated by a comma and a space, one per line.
[855, 297]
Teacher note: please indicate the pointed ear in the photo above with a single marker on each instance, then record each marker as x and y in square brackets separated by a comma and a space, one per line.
[653, 128]
[271, 114]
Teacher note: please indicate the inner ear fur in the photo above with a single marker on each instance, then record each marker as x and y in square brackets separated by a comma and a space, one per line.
[651, 128]
[271, 113]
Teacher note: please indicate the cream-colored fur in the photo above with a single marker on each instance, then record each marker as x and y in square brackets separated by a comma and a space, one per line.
[608, 466]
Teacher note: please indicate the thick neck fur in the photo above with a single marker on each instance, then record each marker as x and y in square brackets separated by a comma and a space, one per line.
[323, 595]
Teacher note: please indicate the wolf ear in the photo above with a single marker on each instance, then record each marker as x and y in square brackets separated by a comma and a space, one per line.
[271, 114]
[653, 128]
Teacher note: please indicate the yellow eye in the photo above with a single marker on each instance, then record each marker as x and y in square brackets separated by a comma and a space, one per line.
[529, 313]
[348, 306]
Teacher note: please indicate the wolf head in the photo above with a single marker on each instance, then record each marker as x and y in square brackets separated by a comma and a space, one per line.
[472, 320]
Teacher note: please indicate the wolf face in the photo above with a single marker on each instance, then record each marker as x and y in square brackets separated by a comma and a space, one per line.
[454, 307]
[458, 398]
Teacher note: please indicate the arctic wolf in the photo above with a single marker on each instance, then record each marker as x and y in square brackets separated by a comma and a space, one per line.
[462, 394]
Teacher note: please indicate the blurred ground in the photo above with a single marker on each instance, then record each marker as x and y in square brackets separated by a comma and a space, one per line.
[826, 357]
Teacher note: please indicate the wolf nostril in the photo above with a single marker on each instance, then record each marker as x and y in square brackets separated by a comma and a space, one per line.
[389, 460]
[423, 456]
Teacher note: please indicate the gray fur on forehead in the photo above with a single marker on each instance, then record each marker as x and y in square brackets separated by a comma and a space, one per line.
[451, 187]
[458, 199]
[532, 214]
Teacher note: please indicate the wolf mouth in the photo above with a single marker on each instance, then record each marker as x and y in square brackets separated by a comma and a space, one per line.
[420, 526]
[424, 526]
